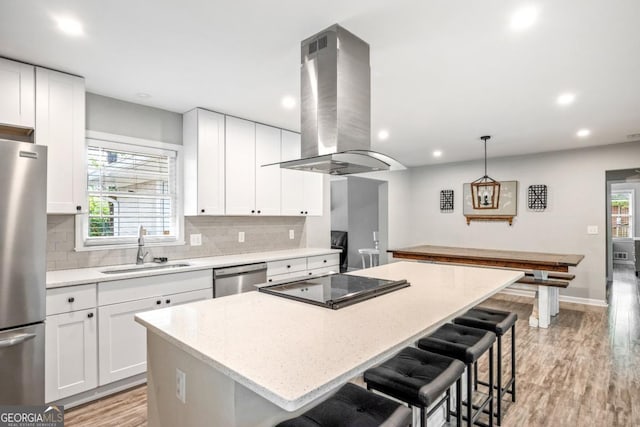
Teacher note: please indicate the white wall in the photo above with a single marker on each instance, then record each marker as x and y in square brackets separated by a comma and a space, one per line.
[118, 117]
[577, 198]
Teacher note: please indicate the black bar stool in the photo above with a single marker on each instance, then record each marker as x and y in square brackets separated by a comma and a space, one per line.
[418, 378]
[467, 345]
[353, 406]
[499, 322]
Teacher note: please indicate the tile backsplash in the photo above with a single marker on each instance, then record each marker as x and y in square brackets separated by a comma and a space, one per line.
[219, 237]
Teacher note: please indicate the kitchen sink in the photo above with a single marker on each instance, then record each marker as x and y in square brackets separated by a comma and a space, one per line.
[133, 269]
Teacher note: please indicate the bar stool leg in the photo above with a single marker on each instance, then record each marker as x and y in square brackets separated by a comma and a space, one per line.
[499, 402]
[469, 395]
[475, 376]
[491, 386]
[459, 402]
[513, 362]
[448, 404]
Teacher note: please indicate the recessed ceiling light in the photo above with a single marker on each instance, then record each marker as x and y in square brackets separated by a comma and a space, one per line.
[383, 134]
[288, 102]
[437, 153]
[566, 98]
[583, 133]
[142, 95]
[523, 18]
[69, 26]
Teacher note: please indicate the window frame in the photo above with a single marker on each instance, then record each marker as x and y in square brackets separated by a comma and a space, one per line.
[140, 145]
[631, 214]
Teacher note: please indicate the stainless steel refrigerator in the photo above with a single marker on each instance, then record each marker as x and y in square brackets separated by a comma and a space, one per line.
[23, 236]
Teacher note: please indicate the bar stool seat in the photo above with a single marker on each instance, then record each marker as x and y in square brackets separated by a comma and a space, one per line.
[467, 345]
[353, 406]
[498, 322]
[418, 378]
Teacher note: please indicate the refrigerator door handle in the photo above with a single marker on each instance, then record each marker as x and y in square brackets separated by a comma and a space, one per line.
[16, 339]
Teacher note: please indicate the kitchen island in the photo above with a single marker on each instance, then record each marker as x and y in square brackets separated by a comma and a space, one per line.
[255, 359]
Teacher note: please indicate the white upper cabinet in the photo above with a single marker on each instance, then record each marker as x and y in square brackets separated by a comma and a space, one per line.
[204, 164]
[17, 94]
[292, 181]
[302, 192]
[240, 166]
[267, 177]
[60, 125]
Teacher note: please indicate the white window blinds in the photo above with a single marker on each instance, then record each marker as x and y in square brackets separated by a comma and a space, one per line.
[130, 186]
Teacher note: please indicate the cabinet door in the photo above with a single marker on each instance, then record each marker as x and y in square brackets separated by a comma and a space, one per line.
[71, 359]
[292, 181]
[203, 151]
[313, 193]
[60, 125]
[17, 89]
[267, 177]
[240, 166]
[185, 297]
[122, 342]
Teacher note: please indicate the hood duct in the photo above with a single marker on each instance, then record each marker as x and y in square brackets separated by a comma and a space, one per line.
[336, 107]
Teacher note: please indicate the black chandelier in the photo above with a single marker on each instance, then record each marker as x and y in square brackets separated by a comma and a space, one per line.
[485, 191]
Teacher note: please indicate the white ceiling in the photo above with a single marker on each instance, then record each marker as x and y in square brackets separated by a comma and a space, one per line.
[444, 72]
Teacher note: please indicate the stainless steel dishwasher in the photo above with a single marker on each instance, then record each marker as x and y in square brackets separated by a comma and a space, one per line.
[238, 279]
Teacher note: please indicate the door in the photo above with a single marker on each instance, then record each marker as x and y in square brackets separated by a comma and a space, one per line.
[71, 354]
[240, 166]
[23, 227]
[267, 177]
[22, 366]
[292, 180]
[60, 125]
[17, 103]
[122, 343]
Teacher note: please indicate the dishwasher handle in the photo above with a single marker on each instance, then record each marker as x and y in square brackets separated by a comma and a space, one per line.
[237, 270]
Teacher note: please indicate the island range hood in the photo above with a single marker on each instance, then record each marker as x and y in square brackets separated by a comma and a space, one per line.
[336, 107]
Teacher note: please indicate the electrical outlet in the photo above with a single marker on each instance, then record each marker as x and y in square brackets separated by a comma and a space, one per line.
[196, 239]
[241, 236]
[292, 234]
[181, 386]
[592, 229]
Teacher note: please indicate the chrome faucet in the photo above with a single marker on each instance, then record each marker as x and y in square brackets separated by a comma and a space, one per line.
[141, 256]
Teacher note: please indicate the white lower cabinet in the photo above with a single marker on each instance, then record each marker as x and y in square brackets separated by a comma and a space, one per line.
[123, 342]
[299, 268]
[122, 350]
[71, 364]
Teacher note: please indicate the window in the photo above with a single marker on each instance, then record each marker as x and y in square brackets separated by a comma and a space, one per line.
[622, 213]
[129, 186]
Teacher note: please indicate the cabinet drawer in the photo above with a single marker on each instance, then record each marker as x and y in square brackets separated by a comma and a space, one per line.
[153, 286]
[324, 270]
[286, 266]
[72, 298]
[185, 297]
[286, 277]
[320, 261]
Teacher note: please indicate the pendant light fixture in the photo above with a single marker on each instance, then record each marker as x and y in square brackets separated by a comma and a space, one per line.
[485, 191]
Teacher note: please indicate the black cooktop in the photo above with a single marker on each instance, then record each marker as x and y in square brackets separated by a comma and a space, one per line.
[335, 290]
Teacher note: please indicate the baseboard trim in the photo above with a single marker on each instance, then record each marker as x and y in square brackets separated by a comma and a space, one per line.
[562, 298]
[102, 391]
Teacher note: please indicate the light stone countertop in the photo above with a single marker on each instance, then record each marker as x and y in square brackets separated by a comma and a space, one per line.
[292, 353]
[80, 276]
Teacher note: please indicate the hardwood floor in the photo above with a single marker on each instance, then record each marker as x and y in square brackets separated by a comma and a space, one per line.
[582, 371]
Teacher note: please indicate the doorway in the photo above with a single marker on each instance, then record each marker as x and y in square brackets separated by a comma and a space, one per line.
[623, 221]
[359, 207]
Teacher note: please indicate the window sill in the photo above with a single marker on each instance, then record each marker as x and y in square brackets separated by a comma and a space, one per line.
[127, 246]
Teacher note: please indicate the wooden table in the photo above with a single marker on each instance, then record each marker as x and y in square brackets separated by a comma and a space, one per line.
[546, 272]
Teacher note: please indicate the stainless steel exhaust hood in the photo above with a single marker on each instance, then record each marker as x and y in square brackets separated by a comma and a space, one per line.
[336, 107]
